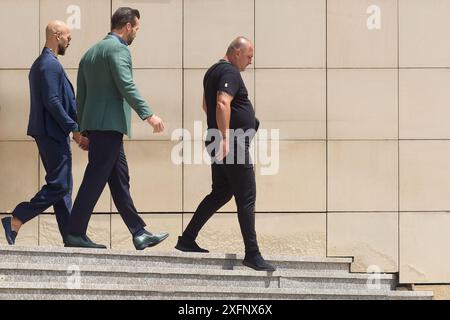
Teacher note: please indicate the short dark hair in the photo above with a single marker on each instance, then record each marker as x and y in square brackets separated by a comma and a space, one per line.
[122, 16]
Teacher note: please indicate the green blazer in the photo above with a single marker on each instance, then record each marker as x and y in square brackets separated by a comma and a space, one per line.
[106, 90]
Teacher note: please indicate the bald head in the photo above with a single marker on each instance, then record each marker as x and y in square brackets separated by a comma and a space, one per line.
[57, 36]
[239, 43]
[54, 27]
[240, 53]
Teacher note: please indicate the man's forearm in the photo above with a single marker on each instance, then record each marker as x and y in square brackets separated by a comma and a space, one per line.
[55, 108]
[223, 114]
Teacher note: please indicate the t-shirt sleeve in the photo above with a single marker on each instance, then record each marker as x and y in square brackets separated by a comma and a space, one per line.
[229, 83]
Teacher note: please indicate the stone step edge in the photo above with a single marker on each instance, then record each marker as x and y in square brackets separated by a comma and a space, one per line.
[288, 274]
[214, 290]
[207, 256]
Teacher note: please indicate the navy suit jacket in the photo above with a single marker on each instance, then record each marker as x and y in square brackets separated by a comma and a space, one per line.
[53, 105]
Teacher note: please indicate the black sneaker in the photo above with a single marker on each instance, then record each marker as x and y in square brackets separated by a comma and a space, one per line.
[258, 263]
[189, 246]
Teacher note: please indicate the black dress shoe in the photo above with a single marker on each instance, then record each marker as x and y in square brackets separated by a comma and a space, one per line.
[72, 241]
[189, 246]
[9, 233]
[147, 240]
[257, 262]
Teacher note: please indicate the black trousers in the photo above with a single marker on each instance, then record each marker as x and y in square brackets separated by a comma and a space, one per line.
[56, 157]
[229, 180]
[107, 164]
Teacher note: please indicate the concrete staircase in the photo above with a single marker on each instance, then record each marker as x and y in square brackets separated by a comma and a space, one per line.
[63, 274]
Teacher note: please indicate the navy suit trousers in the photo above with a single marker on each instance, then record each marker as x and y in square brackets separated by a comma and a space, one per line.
[57, 192]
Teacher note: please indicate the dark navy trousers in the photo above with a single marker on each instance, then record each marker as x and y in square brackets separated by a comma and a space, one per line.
[107, 164]
[56, 157]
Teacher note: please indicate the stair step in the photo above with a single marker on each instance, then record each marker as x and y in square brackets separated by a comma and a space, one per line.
[45, 291]
[52, 273]
[77, 256]
[61, 273]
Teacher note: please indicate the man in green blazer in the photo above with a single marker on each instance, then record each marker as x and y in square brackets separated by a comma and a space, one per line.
[105, 93]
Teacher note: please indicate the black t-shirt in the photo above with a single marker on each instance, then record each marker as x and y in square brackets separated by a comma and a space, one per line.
[223, 76]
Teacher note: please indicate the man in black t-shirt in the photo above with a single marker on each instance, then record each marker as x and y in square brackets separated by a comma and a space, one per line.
[231, 126]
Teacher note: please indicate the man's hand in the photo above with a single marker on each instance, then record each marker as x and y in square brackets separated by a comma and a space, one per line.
[157, 123]
[224, 149]
[82, 141]
[76, 137]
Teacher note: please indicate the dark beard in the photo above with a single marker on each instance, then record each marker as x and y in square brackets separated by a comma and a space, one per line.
[131, 38]
[61, 49]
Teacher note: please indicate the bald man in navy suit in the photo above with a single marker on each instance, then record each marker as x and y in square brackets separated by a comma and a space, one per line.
[52, 119]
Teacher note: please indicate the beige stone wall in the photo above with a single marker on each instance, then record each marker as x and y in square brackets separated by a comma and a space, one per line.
[364, 161]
